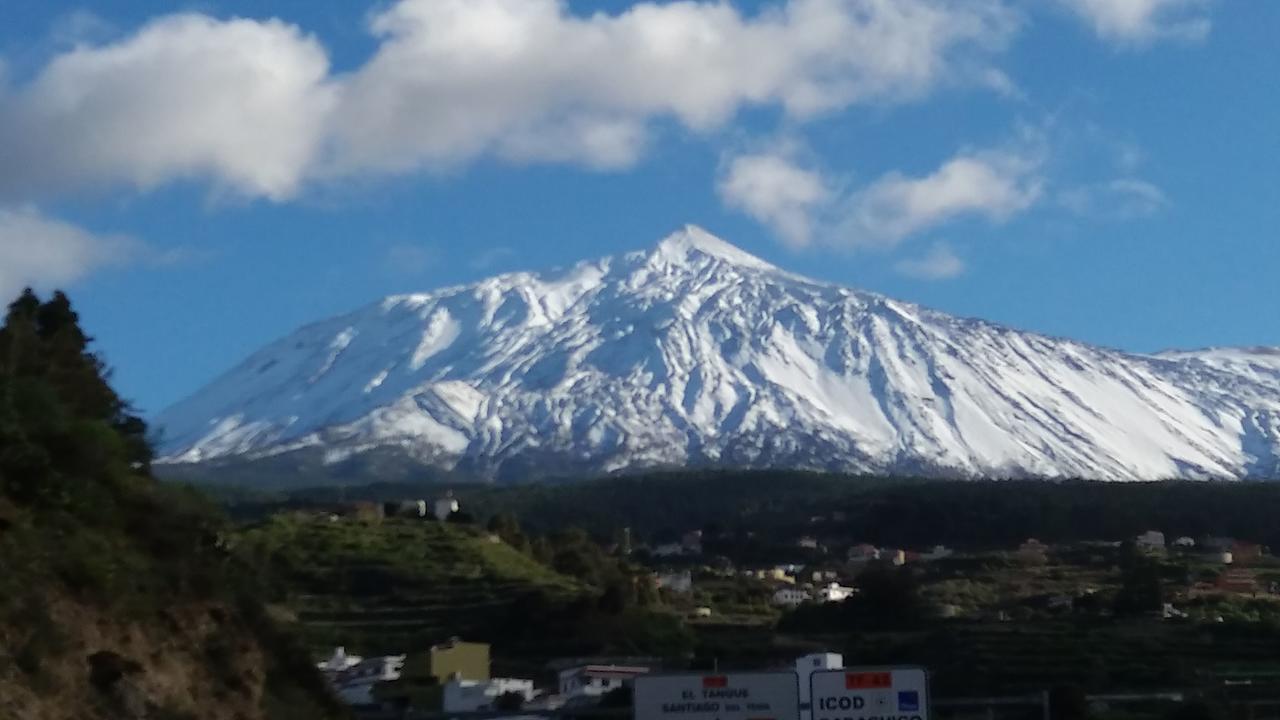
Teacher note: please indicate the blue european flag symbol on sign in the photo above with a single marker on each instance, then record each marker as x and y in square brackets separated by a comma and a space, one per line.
[908, 701]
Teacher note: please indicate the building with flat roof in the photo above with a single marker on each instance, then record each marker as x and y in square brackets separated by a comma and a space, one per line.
[596, 680]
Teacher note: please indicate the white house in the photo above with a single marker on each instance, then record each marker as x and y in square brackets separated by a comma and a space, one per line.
[834, 592]
[790, 597]
[1150, 541]
[596, 680]
[676, 582]
[807, 666]
[338, 661]
[354, 686]
[1184, 542]
[807, 542]
[472, 695]
[445, 506]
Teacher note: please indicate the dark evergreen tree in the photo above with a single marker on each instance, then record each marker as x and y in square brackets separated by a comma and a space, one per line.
[1142, 590]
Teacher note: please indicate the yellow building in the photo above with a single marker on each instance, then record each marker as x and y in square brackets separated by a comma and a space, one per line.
[470, 661]
[422, 681]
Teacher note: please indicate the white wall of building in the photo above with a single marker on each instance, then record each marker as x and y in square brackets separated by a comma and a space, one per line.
[472, 695]
[807, 666]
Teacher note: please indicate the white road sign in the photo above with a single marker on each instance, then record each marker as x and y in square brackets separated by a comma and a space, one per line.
[889, 693]
[732, 696]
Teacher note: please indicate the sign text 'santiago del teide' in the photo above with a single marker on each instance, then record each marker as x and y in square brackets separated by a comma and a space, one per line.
[734, 696]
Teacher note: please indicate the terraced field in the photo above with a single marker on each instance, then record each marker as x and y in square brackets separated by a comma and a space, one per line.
[396, 584]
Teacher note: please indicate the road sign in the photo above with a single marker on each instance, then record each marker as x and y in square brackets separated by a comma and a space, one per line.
[732, 696]
[888, 693]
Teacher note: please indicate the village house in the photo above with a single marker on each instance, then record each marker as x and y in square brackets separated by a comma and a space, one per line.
[338, 661]
[807, 542]
[820, 576]
[445, 506]
[863, 553]
[1150, 542]
[480, 695]
[593, 681]
[806, 666]
[676, 582]
[456, 658]
[834, 592]
[791, 597]
[1183, 543]
[418, 678]
[779, 573]
[354, 684]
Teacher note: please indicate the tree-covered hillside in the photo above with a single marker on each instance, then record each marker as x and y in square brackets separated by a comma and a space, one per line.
[782, 505]
[118, 598]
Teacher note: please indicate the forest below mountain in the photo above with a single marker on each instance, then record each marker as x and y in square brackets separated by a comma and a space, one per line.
[774, 505]
[118, 596]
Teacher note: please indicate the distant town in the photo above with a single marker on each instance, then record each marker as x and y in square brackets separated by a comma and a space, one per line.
[1145, 578]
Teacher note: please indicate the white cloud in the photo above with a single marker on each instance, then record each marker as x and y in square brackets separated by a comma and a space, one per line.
[252, 107]
[239, 102]
[939, 263]
[1121, 199]
[993, 184]
[39, 251]
[1143, 21]
[527, 80]
[774, 191]
[801, 205]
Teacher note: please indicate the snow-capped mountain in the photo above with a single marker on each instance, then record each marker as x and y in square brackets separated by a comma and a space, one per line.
[696, 353]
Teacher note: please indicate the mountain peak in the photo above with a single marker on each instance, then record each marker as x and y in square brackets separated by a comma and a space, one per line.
[696, 353]
[692, 241]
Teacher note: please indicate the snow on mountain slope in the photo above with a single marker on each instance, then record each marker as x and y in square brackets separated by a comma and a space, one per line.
[696, 353]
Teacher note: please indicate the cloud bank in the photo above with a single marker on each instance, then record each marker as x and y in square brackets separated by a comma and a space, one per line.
[252, 107]
[240, 103]
[798, 203]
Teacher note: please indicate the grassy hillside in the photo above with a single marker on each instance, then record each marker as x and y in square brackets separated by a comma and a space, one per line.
[118, 598]
[395, 584]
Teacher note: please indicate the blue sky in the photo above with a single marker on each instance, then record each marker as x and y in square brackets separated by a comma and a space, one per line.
[206, 178]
